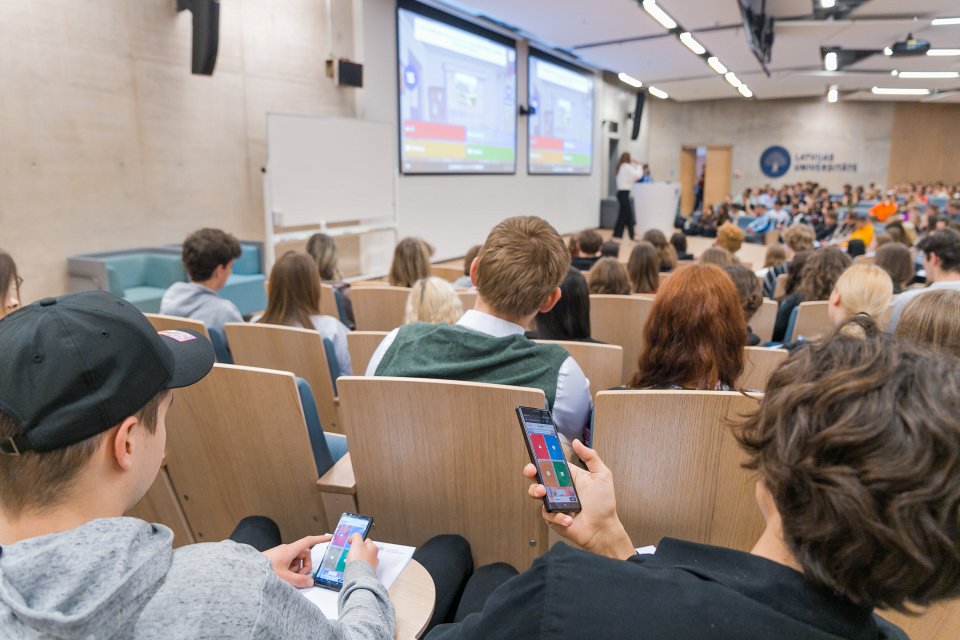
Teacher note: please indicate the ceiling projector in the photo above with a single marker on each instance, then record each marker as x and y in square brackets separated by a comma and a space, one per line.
[910, 47]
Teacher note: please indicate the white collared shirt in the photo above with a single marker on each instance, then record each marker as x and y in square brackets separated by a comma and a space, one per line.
[572, 406]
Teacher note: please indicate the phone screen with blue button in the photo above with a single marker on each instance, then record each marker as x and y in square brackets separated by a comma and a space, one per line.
[546, 454]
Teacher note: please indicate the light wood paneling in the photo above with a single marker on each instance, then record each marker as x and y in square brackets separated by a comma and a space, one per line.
[361, 345]
[921, 150]
[764, 319]
[601, 363]
[378, 308]
[758, 364]
[619, 320]
[813, 320]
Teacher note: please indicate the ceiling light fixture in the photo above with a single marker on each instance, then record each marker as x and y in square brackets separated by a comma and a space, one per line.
[929, 75]
[884, 91]
[943, 52]
[716, 65]
[658, 14]
[940, 22]
[828, 4]
[745, 91]
[830, 61]
[687, 38]
[630, 80]
[660, 93]
[833, 95]
[734, 81]
[894, 72]
[887, 51]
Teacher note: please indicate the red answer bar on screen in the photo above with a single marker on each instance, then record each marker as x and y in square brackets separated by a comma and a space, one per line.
[434, 131]
[539, 142]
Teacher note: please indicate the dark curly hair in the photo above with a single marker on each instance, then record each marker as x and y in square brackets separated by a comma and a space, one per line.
[820, 273]
[858, 441]
[207, 249]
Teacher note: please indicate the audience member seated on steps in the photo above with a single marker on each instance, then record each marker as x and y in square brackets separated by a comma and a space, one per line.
[718, 256]
[932, 319]
[517, 274]
[464, 282]
[896, 260]
[208, 256]
[665, 251]
[679, 242]
[695, 334]
[433, 300]
[589, 243]
[856, 519]
[751, 296]
[609, 276]
[82, 435]
[817, 280]
[293, 300]
[643, 267]
[10, 282]
[323, 249]
[610, 249]
[863, 289]
[411, 262]
[796, 239]
[569, 319]
[941, 261]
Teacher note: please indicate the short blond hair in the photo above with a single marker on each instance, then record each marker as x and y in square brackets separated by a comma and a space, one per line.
[433, 300]
[799, 237]
[521, 263]
[865, 288]
[730, 237]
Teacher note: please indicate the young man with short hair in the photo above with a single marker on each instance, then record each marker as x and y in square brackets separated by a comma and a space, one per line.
[208, 256]
[517, 275]
[85, 385]
[941, 261]
[589, 243]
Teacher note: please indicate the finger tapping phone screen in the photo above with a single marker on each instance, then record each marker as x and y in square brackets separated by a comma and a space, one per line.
[330, 573]
[543, 445]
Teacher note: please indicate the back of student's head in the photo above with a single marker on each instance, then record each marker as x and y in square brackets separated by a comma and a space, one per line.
[293, 291]
[610, 249]
[716, 255]
[207, 249]
[775, 256]
[589, 242]
[799, 237]
[9, 284]
[897, 261]
[820, 273]
[468, 259]
[521, 263]
[696, 332]
[730, 237]
[569, 319]
[945, 244]
[858, 441]
[856, 248]
[433, 300]
[643, 267]
[665, 250]
[323, 250]
[866, 289]
[609, 276]
[748, 289]
[932, 318]
[411, 262]
[679, 242]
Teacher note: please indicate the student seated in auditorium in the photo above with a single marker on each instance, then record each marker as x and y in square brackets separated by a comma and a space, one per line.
[859, 514]
[569, 319]
[796, 238]
[863, 289]
[610, 249]
[293, 300]
[411, 262]
[825, 231]
[941, 262]
[665, 250]
[897, 261]
[695, 334]
[433, 300]
[817, 281]
[82, 435]
[518, 275]
[464, 281]
[729, 237]
[643, 267]
[931, 319]
[773, 258]
[10, 282]
[679, 242]
[323, 249]
[718, 256]
[751, 296]
[208, 256]
[589, 243]
[608, 276]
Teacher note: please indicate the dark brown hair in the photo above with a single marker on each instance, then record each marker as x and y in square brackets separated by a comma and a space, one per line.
[608, 276]
[589, 241]
[795, 271]
[472, 253]
[748, 288]
[323, 249]
[858, 441]
[820, 273]
[293, 291]
[668, 255]
[695, 334]
[207, 249]
[643, 268]
[411, 262]
[896, 260]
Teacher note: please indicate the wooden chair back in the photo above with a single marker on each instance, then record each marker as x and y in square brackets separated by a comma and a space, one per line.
[162, 322]
[619, 320]
[758, 364]
[446, 272]
[237, 445]
[676, 465]
[938, 622]
[780, 289]
[361, 345]
[602, 363]
[764, 319]
[379, 308]
[328, 301]
[468, 298]
[812, 320]
[160, 504]
[299, 351]
[433, 456]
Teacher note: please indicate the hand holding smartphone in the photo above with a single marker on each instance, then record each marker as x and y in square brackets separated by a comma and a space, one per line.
[546, 454]
[330, 573]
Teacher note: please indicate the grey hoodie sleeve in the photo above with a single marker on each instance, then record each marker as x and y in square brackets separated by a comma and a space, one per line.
[365, 610]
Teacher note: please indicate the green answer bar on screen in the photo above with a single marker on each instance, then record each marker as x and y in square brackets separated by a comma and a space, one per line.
[576, 158]
[487, 152]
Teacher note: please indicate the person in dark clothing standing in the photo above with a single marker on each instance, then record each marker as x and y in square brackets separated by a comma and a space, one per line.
[627, 174]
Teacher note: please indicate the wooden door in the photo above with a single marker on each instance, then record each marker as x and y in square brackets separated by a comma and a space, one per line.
[716, 181]
[688, 178]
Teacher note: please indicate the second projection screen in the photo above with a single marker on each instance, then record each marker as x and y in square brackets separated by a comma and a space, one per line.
[458, 96]
[561, 125]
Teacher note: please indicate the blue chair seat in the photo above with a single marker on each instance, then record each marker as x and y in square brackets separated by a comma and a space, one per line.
[327, 447]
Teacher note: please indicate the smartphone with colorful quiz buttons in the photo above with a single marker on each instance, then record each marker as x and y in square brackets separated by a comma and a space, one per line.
[546, 454]
[330, 573]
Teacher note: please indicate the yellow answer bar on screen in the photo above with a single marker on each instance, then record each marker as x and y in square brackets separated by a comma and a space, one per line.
[547, 157]
[432, 149]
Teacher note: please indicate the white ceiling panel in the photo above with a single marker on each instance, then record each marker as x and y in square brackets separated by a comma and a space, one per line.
[699, 15]
[920, 8]
[730, 46]
[649, 60]
[714, 88]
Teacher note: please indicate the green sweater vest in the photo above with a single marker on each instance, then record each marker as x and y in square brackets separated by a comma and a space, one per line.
[451, 352]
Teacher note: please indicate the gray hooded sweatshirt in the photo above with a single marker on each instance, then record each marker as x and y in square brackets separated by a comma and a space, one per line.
[120, 578]
[193, 300]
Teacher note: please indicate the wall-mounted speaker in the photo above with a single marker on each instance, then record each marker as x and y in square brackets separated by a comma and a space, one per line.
[206, 33]
[637, 113]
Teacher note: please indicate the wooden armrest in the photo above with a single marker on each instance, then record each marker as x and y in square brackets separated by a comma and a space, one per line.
[339, 478]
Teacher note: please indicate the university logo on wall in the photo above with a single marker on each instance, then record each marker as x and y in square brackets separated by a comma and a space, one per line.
[775, 161]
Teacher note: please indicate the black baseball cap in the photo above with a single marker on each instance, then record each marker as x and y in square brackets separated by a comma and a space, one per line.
[76, 365]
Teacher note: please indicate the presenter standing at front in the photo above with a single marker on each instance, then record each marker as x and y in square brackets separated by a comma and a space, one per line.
[627, 174]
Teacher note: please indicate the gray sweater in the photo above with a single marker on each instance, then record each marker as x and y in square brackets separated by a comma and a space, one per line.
[120, 578]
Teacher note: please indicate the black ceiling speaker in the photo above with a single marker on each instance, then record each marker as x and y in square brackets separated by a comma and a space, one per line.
[637, 115]
[206, 33]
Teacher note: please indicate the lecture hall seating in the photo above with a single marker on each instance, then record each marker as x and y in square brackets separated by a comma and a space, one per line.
[378, 307]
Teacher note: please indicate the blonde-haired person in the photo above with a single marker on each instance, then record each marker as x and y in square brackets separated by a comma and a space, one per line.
[433, 300]
[518, 274]
[293, 300]
[608, 276]
[323, 249]
[411, 262]
[729, 237]
[932, 319]
[861, 289]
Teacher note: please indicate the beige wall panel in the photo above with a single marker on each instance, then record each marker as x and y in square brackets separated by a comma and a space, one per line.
[923, 143]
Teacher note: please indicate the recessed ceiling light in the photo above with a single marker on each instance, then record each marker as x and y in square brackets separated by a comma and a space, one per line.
[828, 4]
[929, 75]
[660, 93]
[833, 95]
[894, 72]
[940, 22]
[887, 51]
[687, 38]
[943, 52]
[630, 80]
[716, 65]
[884, 91]
[734, 81]
[659, 14]
[745, 91]
[830, 61]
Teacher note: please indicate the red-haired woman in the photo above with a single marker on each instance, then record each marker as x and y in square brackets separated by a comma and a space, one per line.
[695, 334]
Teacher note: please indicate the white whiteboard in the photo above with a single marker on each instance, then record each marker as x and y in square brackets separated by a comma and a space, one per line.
[324, 170]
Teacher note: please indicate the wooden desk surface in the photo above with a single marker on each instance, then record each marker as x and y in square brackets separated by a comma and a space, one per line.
[413, 595]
